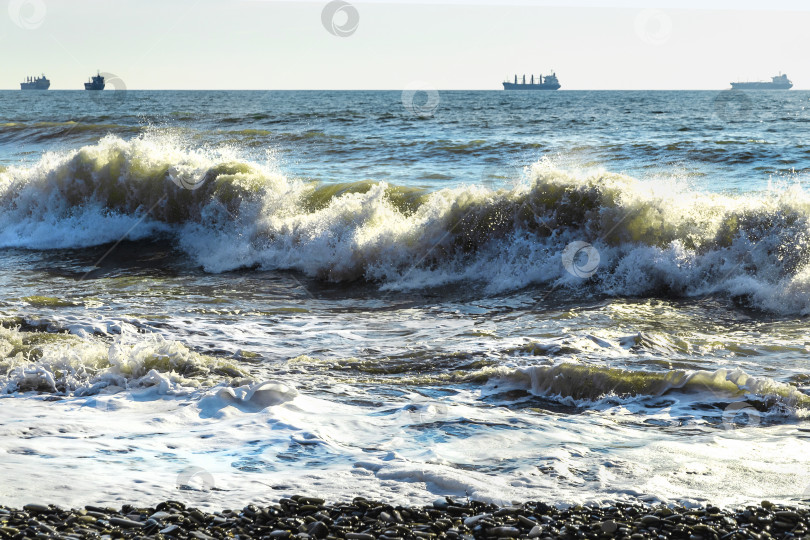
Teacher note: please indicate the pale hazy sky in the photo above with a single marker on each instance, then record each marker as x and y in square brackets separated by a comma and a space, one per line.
[261, 44]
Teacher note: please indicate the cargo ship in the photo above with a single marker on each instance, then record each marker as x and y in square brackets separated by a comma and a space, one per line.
[95, 83]
[779, 82]
[549, 82]
[35, 83]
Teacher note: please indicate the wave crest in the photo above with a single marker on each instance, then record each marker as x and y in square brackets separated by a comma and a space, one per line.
[652, 237]
[67, 364]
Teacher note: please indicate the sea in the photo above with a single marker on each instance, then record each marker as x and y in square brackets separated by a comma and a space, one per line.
[577, 297]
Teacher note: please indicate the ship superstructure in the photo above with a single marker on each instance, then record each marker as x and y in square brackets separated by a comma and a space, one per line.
[548, 82]
[95, 83]
[35, 83]
[778, 82]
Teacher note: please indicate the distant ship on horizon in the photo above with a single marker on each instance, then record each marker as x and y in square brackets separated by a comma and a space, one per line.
[95, 83]
[778, 82]
[549, 82]
[35, 83]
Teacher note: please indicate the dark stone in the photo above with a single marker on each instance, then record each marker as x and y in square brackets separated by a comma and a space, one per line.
[37, 508]
[124, 523]
[318, 529]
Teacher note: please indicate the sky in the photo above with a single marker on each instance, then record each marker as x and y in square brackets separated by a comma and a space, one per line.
[262, 44]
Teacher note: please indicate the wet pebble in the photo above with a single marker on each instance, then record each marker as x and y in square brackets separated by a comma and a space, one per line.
[310, 518]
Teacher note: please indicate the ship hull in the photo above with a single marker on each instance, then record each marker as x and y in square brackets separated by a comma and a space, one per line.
[35, 86]
[521, 86]
[93, 86]
[761, 86]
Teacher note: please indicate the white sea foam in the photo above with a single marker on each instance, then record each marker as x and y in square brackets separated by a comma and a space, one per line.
[652, 237]
[602, 387]
[151, 447]
[69, 364]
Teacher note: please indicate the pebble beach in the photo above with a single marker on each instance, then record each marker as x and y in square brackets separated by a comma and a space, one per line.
[362, 519]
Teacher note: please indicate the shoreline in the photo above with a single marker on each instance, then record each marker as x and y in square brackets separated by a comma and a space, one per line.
[364, 519]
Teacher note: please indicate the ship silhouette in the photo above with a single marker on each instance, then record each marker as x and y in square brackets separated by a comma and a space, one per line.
[779, 82]
[549, 82]
[35, 83]
[95, 83]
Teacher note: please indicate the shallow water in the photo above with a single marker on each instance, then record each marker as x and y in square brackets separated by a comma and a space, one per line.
[574, 296]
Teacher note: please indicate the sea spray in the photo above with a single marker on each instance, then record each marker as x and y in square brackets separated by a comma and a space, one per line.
[653, 238]
[67, 364]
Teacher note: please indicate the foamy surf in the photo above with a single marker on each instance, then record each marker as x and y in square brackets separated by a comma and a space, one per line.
[321, 294]
[648, 238]
[603, 387]
[67, 364]
[229, 449]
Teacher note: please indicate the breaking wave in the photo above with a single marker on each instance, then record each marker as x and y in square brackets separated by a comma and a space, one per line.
[62, 363]
[641, 238]
[576, 384]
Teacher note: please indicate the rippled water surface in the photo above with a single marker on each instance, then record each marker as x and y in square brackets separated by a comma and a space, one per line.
[572, 296]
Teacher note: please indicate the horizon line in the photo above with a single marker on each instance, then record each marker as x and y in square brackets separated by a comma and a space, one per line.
[399, 90]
